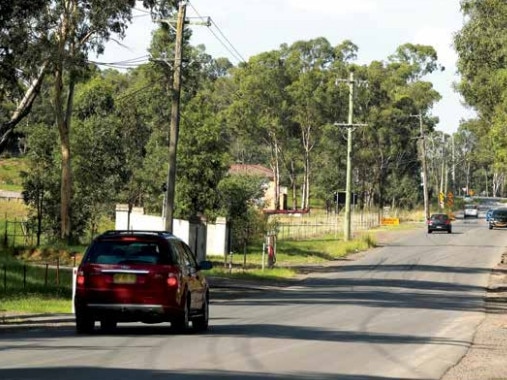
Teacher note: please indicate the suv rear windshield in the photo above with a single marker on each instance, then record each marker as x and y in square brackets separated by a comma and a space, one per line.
[500, 213]
[128, 251]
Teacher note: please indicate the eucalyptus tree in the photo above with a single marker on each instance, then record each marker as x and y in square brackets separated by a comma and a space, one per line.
[201, 154]
[259, 111]
[41, 180]
[482, 53]
[385, 154]
[21, 77]
[203, 157]
[386, 147]
[438, 154]
[330, 153]
[65, 31]
[110, 127]
[308, 64]
[481, 49]
[464, 145]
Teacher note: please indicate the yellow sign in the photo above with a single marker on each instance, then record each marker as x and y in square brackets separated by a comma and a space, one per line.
[390, 221]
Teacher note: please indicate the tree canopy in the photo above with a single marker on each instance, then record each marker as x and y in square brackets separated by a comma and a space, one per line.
[108, 129]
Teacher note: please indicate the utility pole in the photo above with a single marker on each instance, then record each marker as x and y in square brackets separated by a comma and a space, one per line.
[348, 190]
[453, 169]
[175, 118]
[424, 169]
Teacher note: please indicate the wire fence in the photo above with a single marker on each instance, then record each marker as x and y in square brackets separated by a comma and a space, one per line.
[16, 233]
[301, 227]
[28, 277]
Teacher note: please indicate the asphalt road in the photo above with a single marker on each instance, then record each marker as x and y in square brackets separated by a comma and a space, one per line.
[407, 310]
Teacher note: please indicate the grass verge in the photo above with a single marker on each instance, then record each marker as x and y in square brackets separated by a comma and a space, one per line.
[33, 288]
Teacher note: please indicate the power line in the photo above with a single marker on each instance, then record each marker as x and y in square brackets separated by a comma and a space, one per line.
[133, 93]
[227, 45]
[129, 63]
[230, 44]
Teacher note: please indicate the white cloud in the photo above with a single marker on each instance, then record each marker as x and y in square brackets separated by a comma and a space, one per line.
[339, 7]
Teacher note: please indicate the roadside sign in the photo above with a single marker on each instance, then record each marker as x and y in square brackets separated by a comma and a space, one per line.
[390, 221]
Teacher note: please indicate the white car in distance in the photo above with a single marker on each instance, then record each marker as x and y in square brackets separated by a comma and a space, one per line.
[471, 211]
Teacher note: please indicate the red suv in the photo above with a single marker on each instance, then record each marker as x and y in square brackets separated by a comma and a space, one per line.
[140, 276]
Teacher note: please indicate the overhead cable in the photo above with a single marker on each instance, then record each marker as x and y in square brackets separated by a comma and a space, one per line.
[227, 44]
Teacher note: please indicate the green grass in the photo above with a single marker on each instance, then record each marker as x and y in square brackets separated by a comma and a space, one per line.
[274, 274]
[10, 169]
[33, 288]
[290, 256]
[35, 303]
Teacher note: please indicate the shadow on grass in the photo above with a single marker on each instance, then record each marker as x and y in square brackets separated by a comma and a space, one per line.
[302, 252]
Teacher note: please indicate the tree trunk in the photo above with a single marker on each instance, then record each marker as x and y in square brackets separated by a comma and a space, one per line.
[306, 131]
[275, 166]
[23, 108]
[63, 117]
[66, 178]
[292, 178]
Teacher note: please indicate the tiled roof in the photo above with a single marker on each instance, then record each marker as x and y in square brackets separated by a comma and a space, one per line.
[252, 169]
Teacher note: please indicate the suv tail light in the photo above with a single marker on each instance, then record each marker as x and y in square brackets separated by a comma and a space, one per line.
[172, 280]
[80, 278]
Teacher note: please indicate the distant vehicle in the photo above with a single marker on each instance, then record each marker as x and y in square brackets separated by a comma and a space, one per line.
[140, 276]
[471, 211]
[498, 218]
[439, 222]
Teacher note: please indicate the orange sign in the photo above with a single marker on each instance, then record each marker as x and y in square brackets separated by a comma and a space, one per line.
[390, 221]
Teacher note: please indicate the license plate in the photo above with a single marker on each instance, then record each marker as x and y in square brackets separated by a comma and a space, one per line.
[124, 278]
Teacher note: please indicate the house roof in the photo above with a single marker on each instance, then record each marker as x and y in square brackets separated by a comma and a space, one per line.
[251, 169]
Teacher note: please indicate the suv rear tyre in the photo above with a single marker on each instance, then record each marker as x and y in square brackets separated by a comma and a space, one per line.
[182, 322]
[108, 325]
[201, 322]
[84, 323]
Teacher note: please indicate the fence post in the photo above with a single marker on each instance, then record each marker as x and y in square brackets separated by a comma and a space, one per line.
[24, 276]
[15, 232]
[5, 275]
[6, 228]
[57, 271]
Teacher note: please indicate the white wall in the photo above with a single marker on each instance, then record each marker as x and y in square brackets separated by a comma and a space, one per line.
[213, 240]
[216, 239]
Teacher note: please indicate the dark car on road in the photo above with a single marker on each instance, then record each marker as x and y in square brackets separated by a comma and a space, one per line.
[140, 276]
[498, 218]
[439, 222]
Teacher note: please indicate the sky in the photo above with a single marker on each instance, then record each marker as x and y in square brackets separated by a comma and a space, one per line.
[243, 28]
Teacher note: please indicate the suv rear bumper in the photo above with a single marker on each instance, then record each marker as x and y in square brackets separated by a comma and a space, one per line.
[149, 313]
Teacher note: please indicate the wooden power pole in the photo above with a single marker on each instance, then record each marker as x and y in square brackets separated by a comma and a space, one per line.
[424, 166]
[175, 118]
[347, 226]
